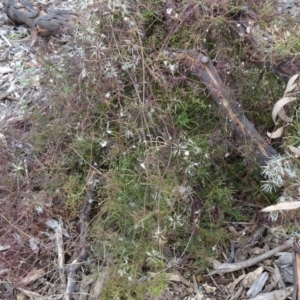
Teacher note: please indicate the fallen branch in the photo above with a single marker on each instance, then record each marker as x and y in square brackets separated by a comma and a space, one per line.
[83, 247]
[60, 251]
[201, 66]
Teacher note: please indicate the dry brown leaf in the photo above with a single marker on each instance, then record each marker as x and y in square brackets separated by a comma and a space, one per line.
[209, 289]
[291, 86]
[31, 64]
[294, 150]
[30, 294]
[252, 277]
[32, 276]
[276, 134]
[283, 116]
[177, 277]
[231, 286]
[257, 251]
[21, 296]
[282, 206]
[279, 105]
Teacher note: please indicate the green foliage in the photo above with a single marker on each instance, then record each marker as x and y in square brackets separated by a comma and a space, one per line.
[170, 173]
[74, 189]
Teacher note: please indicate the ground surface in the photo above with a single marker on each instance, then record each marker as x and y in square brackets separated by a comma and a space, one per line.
[29, 264]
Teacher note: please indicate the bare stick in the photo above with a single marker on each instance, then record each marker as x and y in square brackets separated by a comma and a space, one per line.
[60, 251]
[83, 246]
[227, 268]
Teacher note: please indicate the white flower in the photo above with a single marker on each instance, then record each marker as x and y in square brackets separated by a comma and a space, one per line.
[289, 170]
[128, 133]
[178, 149]
[169, 10]
[197, 150]
[110, 70]
[172, 68]
[103, 143]
[175, 220]
[268, 186]
[17, 168]
[80, 138]
[154, 256]
[158, 235]
[281, 199]
[107, 129]
[191, 168]
[294, 237]
[184, 191]
[273, 216]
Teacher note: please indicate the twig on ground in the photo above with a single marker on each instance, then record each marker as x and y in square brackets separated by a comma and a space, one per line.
[6, 40]
[228, 268]
[60, 251]
[83, 246]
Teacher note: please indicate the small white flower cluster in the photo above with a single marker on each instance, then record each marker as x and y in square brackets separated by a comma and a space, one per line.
[195, 156]
[119, 53]
[278, 170]
[282, 172]
[99, 49]
[185, 147]
[124, 270]
[171, 67]
[158, 235]
[154, 256]
[294, 237]
[171, 13]
[110, 70]
[179, 149]
[114, 6]
[175, 221]
[131, 63]
[183, 191]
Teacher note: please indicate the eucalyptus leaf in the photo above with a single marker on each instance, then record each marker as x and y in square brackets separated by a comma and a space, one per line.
[279, 105]
[291, 86]
[276, 134]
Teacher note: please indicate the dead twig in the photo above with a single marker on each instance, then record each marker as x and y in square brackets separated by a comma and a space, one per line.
[60, 251]
[228, 268]
[83, 246]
